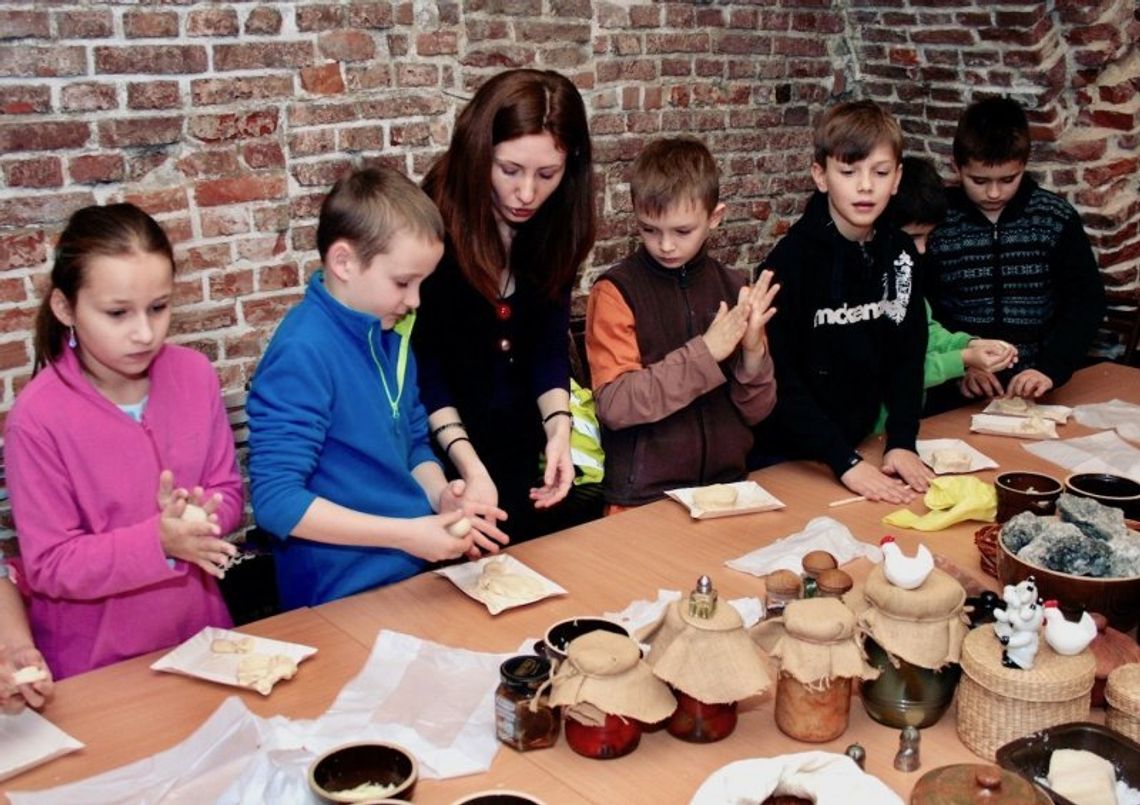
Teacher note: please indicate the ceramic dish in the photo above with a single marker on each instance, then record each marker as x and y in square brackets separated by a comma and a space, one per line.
[340, 774]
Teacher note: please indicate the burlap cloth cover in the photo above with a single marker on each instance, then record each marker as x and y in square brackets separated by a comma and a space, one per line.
[819, 643]
[603, 674]
[997, 704]
[924, 626]
[1122, 693]
[711, 659]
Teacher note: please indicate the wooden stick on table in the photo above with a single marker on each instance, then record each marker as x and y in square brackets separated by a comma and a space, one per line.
[845, 501]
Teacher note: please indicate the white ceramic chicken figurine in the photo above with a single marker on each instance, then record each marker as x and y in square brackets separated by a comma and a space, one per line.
[907, 572]
[1064, 636]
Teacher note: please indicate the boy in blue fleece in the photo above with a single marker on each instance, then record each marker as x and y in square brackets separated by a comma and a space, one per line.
[340, 465]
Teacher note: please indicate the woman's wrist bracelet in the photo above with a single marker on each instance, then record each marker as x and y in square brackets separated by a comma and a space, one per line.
[553, 414]
[435, 433]
[451, 444]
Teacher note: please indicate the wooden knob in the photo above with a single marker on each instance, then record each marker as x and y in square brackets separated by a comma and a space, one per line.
[989, 778]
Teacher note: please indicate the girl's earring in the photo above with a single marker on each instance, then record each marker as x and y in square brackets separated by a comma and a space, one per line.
[71, 342]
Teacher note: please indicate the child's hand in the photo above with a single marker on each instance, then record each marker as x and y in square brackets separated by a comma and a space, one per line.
[195, 542]
[906, 464]
[1029, 383]
[980, 383]
[14, 697]
[866, 480]
[726, 330]
[432, 542]
[989, 354]
[483, 517]
[171, 501]
[758, 298]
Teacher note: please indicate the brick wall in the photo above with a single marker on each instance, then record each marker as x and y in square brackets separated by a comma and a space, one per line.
[228, 121]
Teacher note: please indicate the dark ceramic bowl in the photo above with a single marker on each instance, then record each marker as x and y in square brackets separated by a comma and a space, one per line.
[1110, 490]
[1019, 492]
[560, 635]
[1029, 756]
[1118, 599]
[499, 798]
[346, 767]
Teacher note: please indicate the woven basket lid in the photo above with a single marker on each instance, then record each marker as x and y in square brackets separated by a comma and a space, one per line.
[1122, 690]
[1053, 677]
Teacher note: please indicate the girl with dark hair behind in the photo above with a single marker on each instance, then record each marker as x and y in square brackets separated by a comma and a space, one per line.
[107, 450]
[515, 192]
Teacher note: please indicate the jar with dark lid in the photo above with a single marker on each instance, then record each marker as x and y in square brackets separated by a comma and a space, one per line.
[833, 583]
[976, 782]
[523, 718]
[781, 586]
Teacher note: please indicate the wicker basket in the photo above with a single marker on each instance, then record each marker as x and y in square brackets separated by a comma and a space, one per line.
[1122, 693]
[986, 539]
[997, 704]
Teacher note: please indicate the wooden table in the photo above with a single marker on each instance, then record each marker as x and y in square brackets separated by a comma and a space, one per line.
[126, 711]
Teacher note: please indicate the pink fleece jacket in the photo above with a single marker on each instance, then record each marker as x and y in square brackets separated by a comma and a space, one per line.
[83, 479]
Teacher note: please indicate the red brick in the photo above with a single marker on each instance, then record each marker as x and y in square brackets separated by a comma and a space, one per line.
[367, 76]
[262, 55]
[268, 310]
[150, 24]
[42, 62]
[259, 249]
[1118, 94]
[247, 345]
[209, 163]
[44, 136]
[239, 189]
[89, 97]
[407, 105]
[312, 141]
[1082, 151]
[263, 155]
[410, 135]
[204, 258]
[186, 291]
[21, 99]
[231, 283]
[95, 168]
[370, 14]
[153, 95]
[84, 23]
[14, 354]
[677, 43]
[37, 172]
[221, 221]
[42, 209]
[216, 128]
[319, 17]
[151, 59]
[361, 138]
[418, 75]
[277, 278]
[157, 202]
[212, 22]
[140, 131]
[645, 16]
[742, 44]
[1112, 119]
[397, 45]
[273, 218]
[210, 91]
[143, 163]
[438, 43]
[24, 25]
[323, 80]
[22, 249]
[346, 45]
[1101, 174]
[264, 20]
[324, 172]
[504, 56]
[201, 319]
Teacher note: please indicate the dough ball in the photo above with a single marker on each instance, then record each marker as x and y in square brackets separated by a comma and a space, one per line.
[223, 645]
[28, 675]
[950, 461]
[716, 496]
[459, 528]
[195, 513]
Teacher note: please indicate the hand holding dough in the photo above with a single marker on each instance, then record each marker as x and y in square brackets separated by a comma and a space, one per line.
[459, 528]
[29, 675]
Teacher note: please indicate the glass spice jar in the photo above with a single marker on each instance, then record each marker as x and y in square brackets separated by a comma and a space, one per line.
[833, 583]
[523, 718]
[810, 713]
[781, 586]
[698, 722]
[616, 737]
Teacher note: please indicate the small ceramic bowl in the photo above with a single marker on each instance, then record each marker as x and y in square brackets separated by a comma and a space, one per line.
[497, 797]
[1019, 492]
[559, 636]
[1109, 490]
[340, 770]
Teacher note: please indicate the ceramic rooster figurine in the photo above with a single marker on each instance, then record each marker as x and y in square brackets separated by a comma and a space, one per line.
[907, 572]
[1064, 636]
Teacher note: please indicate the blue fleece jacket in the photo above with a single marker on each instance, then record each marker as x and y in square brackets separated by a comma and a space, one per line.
[320, 425]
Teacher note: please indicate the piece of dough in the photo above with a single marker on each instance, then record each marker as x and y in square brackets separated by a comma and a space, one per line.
[496, 580]
[1011, 405]
[194, 513]
[459, 528]
[950, 460]
[366, 791]
[223, 645]
[1035, 425]
[1082, 777]
[716, 496]
[262, 671]
[28, 675]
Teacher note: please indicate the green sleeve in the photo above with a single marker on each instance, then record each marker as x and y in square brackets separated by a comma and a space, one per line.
[943, 353]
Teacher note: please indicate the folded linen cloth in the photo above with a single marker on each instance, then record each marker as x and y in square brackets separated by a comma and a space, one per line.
[820, 534]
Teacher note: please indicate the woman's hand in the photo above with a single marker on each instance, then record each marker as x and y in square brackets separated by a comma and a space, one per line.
[559, 473]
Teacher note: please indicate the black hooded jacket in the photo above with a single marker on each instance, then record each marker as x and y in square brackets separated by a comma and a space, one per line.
[849, 336]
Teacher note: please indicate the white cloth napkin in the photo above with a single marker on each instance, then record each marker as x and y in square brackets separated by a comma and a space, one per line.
[820, 534]
[1123, 416]
[27, 739]
[824, 778]
[1101, 452]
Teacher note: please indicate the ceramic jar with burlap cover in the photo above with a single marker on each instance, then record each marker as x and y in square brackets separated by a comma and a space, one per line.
[711, 659]
[1122, 694]
[603, 674]
[924, 626]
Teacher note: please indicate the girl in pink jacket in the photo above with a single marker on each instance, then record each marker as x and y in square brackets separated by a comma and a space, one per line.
[116, 437]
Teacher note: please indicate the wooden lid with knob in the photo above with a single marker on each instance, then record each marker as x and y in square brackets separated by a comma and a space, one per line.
[968, 783]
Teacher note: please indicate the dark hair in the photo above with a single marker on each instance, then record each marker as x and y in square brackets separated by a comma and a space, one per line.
[549, 248]
[367, 207]
[921, 197]
[992, 131]
[112, 231]
[671, 170]
[851, 130]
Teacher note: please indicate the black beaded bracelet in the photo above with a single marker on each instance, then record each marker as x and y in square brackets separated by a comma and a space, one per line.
[442, 428]
[452, 443]
[553, 414]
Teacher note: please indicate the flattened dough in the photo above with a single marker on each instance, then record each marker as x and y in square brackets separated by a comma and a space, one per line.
[715, 496]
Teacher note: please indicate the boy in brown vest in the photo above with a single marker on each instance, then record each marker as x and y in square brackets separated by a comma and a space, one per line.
[676, 342]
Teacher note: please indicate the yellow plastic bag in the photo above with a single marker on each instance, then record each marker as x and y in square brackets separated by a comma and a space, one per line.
[951, 499]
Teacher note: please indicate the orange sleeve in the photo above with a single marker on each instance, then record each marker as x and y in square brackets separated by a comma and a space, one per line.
[611, 336]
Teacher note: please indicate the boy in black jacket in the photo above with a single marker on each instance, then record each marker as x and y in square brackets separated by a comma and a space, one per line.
[850, 332]
[1012, 261]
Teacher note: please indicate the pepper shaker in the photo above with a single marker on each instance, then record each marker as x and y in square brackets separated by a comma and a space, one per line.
[702, 599]
[858, 754]
[907, 757]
